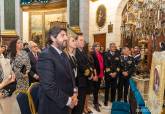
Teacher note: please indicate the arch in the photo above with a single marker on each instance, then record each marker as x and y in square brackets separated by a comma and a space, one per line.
[118, 19]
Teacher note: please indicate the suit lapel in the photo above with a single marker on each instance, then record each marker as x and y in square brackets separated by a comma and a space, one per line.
[57, 59]
[32, 57]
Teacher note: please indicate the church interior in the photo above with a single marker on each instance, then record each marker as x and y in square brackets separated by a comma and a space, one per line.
[127, 23]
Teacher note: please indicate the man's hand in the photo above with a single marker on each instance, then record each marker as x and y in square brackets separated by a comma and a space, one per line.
[113, 75]
[95, 78]
[36, 76]
[125, 74]
[74, 101]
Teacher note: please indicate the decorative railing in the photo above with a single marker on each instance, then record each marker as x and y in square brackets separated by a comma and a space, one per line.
[136, 100]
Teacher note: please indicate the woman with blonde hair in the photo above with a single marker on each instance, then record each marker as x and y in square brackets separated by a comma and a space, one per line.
[70, 52]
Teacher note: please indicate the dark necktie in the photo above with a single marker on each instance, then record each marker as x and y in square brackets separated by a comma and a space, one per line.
[125, 58]
[66, 64]
[112, 53]
[36, 57]
[63, 59]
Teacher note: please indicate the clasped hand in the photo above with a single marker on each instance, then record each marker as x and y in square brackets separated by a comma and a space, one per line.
[113, 75]
[74, 101]
[125, 74]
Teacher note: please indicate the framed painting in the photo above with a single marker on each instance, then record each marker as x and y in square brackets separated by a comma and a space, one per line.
[36, 28]
[101, 16]
[54, 18]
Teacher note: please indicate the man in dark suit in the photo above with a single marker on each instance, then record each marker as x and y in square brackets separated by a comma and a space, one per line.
[33, 55]
[112, 61]
[127, 67]
[56, 76]
[83, 74]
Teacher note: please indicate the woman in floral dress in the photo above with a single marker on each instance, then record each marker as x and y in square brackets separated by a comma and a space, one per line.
[20, 64]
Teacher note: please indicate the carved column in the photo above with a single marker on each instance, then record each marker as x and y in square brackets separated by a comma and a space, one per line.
[73, 12]
[84, 18]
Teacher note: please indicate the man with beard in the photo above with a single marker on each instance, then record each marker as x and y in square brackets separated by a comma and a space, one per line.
[56, 76]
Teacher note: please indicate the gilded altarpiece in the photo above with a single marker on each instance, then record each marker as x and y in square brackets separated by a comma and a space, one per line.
[157, 83]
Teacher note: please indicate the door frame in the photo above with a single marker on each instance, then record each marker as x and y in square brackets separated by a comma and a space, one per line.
[100, 34]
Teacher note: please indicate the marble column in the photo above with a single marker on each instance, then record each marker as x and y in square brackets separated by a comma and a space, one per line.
[74, 12]
[18, 18]
[84, 18]
[2, 15]
[68, 4]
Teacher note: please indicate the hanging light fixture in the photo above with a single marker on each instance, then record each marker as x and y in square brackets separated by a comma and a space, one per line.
[43, 1]
[27, 2]
[24, 2]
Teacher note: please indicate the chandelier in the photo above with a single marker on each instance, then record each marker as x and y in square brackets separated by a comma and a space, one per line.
[146, 16]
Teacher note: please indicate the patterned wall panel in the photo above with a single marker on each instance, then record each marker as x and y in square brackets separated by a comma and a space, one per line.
[9, 14]
[74, 13]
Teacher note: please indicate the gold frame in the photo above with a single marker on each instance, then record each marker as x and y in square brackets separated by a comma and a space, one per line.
[99, 8]
[8, 32]
[110, 28]
[43, 29]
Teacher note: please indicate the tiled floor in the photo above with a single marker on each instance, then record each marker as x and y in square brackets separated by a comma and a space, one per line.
[104, 109]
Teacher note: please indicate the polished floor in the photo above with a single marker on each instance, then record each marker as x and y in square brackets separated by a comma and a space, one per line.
[104, 109]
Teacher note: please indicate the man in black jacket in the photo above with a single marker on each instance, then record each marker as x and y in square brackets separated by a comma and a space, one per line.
[56, 76]
[127, 67]
[33, 55]
[112, 67]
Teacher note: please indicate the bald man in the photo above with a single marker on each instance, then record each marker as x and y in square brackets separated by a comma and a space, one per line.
[33, 55]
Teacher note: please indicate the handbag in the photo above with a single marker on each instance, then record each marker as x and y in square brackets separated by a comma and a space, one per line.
[23, 69]
[87, 71]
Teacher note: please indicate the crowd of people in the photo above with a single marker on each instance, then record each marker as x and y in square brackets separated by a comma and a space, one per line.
[67, 71]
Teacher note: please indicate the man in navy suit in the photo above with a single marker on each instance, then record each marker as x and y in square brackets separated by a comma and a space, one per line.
[56, 94]
[33, 56]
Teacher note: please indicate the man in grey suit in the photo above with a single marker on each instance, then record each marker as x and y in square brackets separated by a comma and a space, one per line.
[56, 94]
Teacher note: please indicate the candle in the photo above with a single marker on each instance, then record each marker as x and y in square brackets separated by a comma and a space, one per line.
[138, 15]
[158, 14]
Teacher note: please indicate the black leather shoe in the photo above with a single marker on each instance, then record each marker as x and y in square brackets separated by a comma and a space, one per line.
[90, 112]
[96, 107]
[125, 101]
[106, 104]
